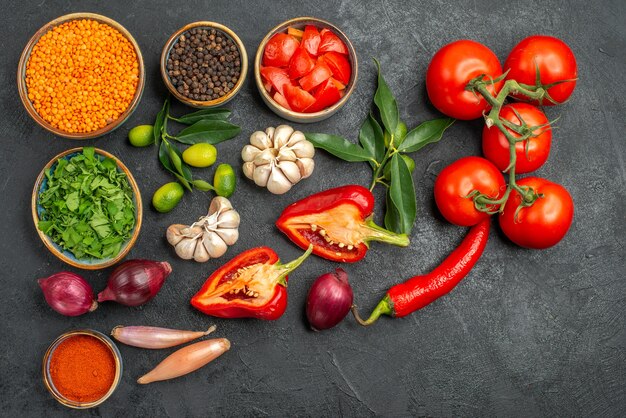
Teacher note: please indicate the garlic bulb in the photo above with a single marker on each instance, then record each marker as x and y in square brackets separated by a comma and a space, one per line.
[210, 236]
[278, 158]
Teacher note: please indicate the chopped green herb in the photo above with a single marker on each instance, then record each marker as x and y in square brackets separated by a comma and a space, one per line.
[88, 206]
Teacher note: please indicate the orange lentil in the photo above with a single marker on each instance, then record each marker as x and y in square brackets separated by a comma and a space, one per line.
[75, 69]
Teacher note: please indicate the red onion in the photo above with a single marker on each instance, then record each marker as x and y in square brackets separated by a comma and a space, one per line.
[329, 300]
[134, 282]
[68, 294]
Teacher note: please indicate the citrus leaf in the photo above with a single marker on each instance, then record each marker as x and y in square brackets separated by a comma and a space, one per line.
[386, 103]
[372, 139]
[424, 134]
[339, 147]
[208, 114]
[402, 194]
[159, 122]
[209, 131]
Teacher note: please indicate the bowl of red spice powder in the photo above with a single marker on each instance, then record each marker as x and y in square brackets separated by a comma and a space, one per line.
[82, 368]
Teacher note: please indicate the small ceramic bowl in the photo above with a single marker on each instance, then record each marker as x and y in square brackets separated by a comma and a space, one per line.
[300, 23]
[23, 90]
[209, 103]
[49, 383]
[58, 251]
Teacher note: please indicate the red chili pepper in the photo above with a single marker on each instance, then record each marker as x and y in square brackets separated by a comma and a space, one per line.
[251, 285]
[337, 222]
[419, 291]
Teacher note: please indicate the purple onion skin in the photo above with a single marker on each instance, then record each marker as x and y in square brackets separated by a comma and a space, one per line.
[135, 282]
[68, 294]
[329, 300]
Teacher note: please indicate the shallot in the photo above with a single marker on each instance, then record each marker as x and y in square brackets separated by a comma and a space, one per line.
[68, 294]
[135, 282]
[186, 360]
[155, 337]
[329, 300]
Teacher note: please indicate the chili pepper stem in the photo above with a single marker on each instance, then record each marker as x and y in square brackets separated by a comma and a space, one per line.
[383, 308]
[381, 234]
[291, 266]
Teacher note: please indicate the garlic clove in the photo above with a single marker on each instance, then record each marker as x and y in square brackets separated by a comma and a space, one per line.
[191, 231]
[219, 204]
[290, 170]
[295, 137]
[303, 149]
[228, 219]
[270, 133]
[262, 174]
[281, 135]
[261, 140]
[278, 183]
[201, 255]
[306, 166]
[173, 234]
[249, 152]
[265, 157]
[215, 246]
[248, 170]
[285, 154]
[229, 235]
[185, 248]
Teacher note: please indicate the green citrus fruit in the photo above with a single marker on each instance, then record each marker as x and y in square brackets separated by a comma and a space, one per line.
[141, 136]
[200, 155]
[167, 197]
[224, 180]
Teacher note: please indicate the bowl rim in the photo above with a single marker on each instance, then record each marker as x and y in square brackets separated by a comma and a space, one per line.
[243, 55]
[25, 56]
[322, 114]
[47, 379]
[48, 241]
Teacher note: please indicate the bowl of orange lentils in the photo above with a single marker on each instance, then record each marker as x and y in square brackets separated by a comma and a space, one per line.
[81, 75]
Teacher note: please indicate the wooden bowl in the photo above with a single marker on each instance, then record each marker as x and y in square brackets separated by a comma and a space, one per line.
[243, 56]
[47, 377]
[23, 89]
[66, 256]
[300, 23]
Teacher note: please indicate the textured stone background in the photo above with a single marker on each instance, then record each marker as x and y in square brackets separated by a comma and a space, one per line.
[527, 333]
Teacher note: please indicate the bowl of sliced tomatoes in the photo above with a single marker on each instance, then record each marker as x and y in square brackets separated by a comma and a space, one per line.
[305, 69]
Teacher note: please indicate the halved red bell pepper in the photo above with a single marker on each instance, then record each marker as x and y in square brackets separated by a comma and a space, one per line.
[338, 224]
[251, 285]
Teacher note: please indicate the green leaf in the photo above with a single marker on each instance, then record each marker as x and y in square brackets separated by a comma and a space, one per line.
[339, 147]
[372, 139]
[202, 185]
[160, 120]
[72, 201]
[392, 221]
[386, 103]
[402, 194]
[424, 134]
[209, 131]
[164, 157]
[210, 114]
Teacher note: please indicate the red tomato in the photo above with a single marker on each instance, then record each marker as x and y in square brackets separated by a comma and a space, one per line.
[326, 95]
[297, 98]
[451, 68]
[300, 64]
[496, 146]
[458, 180]
[278, 77]
[543, 224]
[311, 39]
[320, 73]
[339, 65]
[331, 42]
[279, 49]
[555, 60]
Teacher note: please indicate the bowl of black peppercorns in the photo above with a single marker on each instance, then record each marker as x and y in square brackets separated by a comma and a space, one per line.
[204, 64]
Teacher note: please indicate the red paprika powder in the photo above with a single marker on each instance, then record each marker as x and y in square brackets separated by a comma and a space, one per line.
[82, 368]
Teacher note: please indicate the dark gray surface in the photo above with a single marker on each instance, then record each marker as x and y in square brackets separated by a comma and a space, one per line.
[527, 333]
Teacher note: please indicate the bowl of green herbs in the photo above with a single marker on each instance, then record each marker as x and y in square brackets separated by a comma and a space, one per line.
[87, 208]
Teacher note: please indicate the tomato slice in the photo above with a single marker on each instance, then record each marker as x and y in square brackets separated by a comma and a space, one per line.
[297, 98]
[311, 39]
[278, 77]
[279, 50]
[320, 73]
[301, 63]
[339, 65]
[326, 95]
[331, 42]
[280, 99]
[338, 84]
